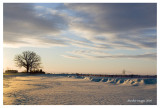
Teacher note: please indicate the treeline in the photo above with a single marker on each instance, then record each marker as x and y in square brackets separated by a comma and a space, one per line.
[119, 76]
[37, 71]
[102, 75]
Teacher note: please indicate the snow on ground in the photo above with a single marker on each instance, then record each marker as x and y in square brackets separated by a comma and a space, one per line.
[72, 90]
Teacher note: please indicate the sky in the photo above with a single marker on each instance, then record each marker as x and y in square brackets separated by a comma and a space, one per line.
[96, 38]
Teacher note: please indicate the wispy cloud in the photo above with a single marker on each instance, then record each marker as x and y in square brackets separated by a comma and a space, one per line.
[115, 17]
[100, 27]
[107, 23]
[71, 56]
[90, 54]
[141, 56]
[23, 21]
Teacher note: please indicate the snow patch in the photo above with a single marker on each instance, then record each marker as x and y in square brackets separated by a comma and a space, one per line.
[124, 81]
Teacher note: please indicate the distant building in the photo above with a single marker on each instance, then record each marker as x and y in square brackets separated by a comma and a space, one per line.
[11, 71]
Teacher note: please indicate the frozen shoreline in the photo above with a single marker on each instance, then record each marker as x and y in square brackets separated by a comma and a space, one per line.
[72, 90]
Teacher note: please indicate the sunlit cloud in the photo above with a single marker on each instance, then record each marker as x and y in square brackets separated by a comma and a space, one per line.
[22, 21]
[96, 27]
[90, 54]
[142, 56]
[71, 56]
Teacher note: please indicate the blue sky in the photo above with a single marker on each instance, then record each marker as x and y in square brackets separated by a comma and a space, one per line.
[85, 38]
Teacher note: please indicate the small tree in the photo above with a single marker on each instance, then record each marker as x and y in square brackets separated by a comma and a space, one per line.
[28, 59]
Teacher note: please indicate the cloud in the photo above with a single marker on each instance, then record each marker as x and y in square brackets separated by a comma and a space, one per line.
[71, 56]
[109, 22]
[96, 54]
[101, 27]
[24, 21]
[146, 56]
[115, 17]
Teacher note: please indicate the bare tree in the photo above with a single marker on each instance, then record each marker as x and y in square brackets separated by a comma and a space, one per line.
[28, 59]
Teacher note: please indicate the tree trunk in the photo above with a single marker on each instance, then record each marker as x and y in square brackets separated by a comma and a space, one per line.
[27, 69]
